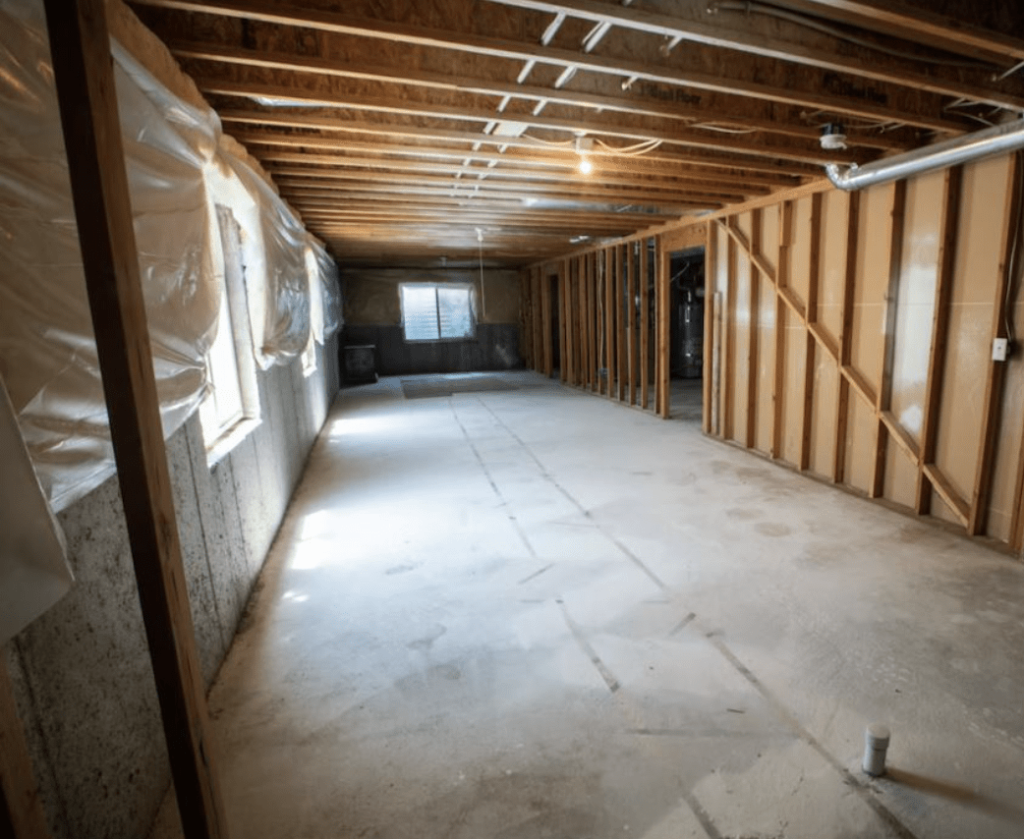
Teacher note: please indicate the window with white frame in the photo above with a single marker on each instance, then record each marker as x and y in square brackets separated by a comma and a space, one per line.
[437, 311]
[231, 406]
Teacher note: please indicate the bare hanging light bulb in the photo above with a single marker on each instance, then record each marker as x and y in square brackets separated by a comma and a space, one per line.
[583, 145]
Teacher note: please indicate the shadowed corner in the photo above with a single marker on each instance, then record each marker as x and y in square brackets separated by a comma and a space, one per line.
[954, 792]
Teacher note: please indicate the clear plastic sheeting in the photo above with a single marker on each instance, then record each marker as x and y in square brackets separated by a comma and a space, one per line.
[280, 320]
[47, 351]
[330, 290]
[179, 169]
[34, 572]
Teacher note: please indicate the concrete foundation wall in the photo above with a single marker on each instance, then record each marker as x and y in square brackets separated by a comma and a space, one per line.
[81, 672]
[373, 315]
[495, 347]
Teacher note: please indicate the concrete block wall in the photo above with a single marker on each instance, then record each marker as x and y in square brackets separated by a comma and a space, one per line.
[81, 672]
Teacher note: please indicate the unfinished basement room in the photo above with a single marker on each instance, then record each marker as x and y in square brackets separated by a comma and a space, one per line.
[511, 419]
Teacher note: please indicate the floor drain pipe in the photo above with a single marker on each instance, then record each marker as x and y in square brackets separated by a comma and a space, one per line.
[999, 139]
[876, 743]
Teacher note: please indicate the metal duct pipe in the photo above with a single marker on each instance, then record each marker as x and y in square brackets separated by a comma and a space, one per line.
[996, 140]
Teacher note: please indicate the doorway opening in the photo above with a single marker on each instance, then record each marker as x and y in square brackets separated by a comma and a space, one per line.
[686, 337]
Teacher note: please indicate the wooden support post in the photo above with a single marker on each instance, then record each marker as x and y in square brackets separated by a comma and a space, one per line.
[645, 324]
[779, 365]
[609, 320]
[577, 344]
[588, 326]
[596, 267]
[580, 357]
[949, 229]
[584, 324]
[573, 323]
[563, 324]
[753, 361]
[729, 356]
[526, 317]
[21, 809]
[545, 307]
[537, 342]
[884, 403]
[664, 323]
[846, 338]
[621, 323]
[581, 279]
[631, 342]
[710, 256]
[83, 71]
[538, 305]
[990, 421]
[716, 367]
[813, 282]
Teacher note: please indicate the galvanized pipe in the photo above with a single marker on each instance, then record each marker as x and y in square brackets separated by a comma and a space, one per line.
[999, 139]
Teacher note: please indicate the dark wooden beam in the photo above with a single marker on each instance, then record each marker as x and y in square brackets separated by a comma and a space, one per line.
[958, 35]
[949, 231]
[83, 70]
[21, 808]
[846, 338]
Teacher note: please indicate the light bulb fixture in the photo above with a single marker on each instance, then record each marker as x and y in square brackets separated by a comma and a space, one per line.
[583, 145]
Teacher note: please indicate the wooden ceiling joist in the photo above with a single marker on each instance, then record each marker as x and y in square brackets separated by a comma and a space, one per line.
[288, 118]
[565, 161]
[918, 25]
[752, 143]
[398, 131]
[809, 90]
[695, 116]
[742, 32]
[404, 170]
[374, 182]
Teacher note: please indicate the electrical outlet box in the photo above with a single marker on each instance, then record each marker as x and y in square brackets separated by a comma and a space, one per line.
[1000, 349]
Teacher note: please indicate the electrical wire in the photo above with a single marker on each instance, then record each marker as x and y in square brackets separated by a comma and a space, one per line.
[723, 130]
[630, 151]
[554, 143]
[855, 124]
[759, 8]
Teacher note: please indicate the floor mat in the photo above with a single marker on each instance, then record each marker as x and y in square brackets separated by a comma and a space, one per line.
[425, 387]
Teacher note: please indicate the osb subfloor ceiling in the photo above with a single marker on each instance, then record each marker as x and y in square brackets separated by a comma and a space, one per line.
[445, 132]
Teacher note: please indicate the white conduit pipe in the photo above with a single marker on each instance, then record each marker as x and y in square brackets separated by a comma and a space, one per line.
[996, 140]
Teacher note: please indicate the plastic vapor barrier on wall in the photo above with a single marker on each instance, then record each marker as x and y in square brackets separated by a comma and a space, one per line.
[327, 268]
[179, 169]
[34, 572]
[281, 320]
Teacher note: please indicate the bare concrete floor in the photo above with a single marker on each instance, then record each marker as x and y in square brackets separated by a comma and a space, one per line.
[535, 613]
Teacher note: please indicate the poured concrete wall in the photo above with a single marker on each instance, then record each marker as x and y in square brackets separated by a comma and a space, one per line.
[856, 341]
[373, 315]
[81, 672]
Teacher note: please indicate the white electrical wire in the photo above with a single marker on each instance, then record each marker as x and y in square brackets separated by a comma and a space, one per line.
[630, 151]
[722, 129]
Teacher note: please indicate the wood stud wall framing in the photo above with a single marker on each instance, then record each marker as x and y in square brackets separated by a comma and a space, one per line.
[613, 322]
[824, 388]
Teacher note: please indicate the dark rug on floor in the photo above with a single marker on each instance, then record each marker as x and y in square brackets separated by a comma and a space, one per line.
[425, 387]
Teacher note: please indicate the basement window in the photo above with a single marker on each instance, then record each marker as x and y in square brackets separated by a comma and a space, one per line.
[231, 407]
[437, 312]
